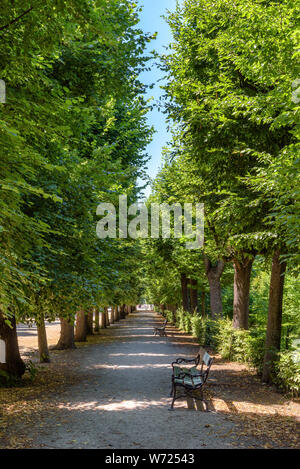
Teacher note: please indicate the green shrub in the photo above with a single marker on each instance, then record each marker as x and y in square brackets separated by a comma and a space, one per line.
[198, 329]
[168, 315]
[205, 330]
[183, 320]
[225, 339]
[241, 345]
[187, 323]
[246, 346]
[288, 372]
[179, 319]
[255, 349]
[211, 332]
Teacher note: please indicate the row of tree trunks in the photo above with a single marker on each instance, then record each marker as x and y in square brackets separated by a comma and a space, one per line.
[14, 365]
[86, 325]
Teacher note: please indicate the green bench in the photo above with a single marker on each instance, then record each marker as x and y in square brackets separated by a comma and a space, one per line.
[190, 379]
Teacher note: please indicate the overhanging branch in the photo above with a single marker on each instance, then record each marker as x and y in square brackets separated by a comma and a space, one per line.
[16, 19]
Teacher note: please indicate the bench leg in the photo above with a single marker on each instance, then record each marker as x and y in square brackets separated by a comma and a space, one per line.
[172, 388]
[174, 397]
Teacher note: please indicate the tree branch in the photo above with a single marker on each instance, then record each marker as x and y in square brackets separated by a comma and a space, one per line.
[16, 19]
[220, 267]
[207, 264]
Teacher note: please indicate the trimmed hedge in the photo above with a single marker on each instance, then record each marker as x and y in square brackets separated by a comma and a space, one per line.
[240, 345]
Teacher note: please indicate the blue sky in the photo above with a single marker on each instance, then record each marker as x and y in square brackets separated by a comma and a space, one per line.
[151, 21]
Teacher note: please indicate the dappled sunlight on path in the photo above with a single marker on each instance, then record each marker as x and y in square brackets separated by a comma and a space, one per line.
[119, 397]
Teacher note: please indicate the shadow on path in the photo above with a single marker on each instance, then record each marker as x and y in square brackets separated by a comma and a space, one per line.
[121, 396]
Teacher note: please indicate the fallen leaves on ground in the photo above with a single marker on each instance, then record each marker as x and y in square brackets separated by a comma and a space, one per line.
[261, 411]
[19, 405]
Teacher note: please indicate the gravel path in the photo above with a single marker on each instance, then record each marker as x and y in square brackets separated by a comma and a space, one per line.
[121, 398]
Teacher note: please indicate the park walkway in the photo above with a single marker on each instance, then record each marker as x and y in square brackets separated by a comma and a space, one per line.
[120, 397]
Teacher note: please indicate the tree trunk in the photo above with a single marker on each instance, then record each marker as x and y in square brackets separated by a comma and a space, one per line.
[214, 274]
[184, 292]
[90, 322]
[97, 320]
[102, 320]
[193, 295]
[107, 323]
[42, 341]
[123, 312]
[274, 317]
[81, 326]
[116, 314]
[66, 340]
[14, 365]
[203, 312]
[242, 274]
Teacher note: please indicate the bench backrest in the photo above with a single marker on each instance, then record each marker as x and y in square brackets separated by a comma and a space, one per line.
[205, 360]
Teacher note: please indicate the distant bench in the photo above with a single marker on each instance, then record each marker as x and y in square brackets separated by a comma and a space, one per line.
[191, 379]
[161, 331]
